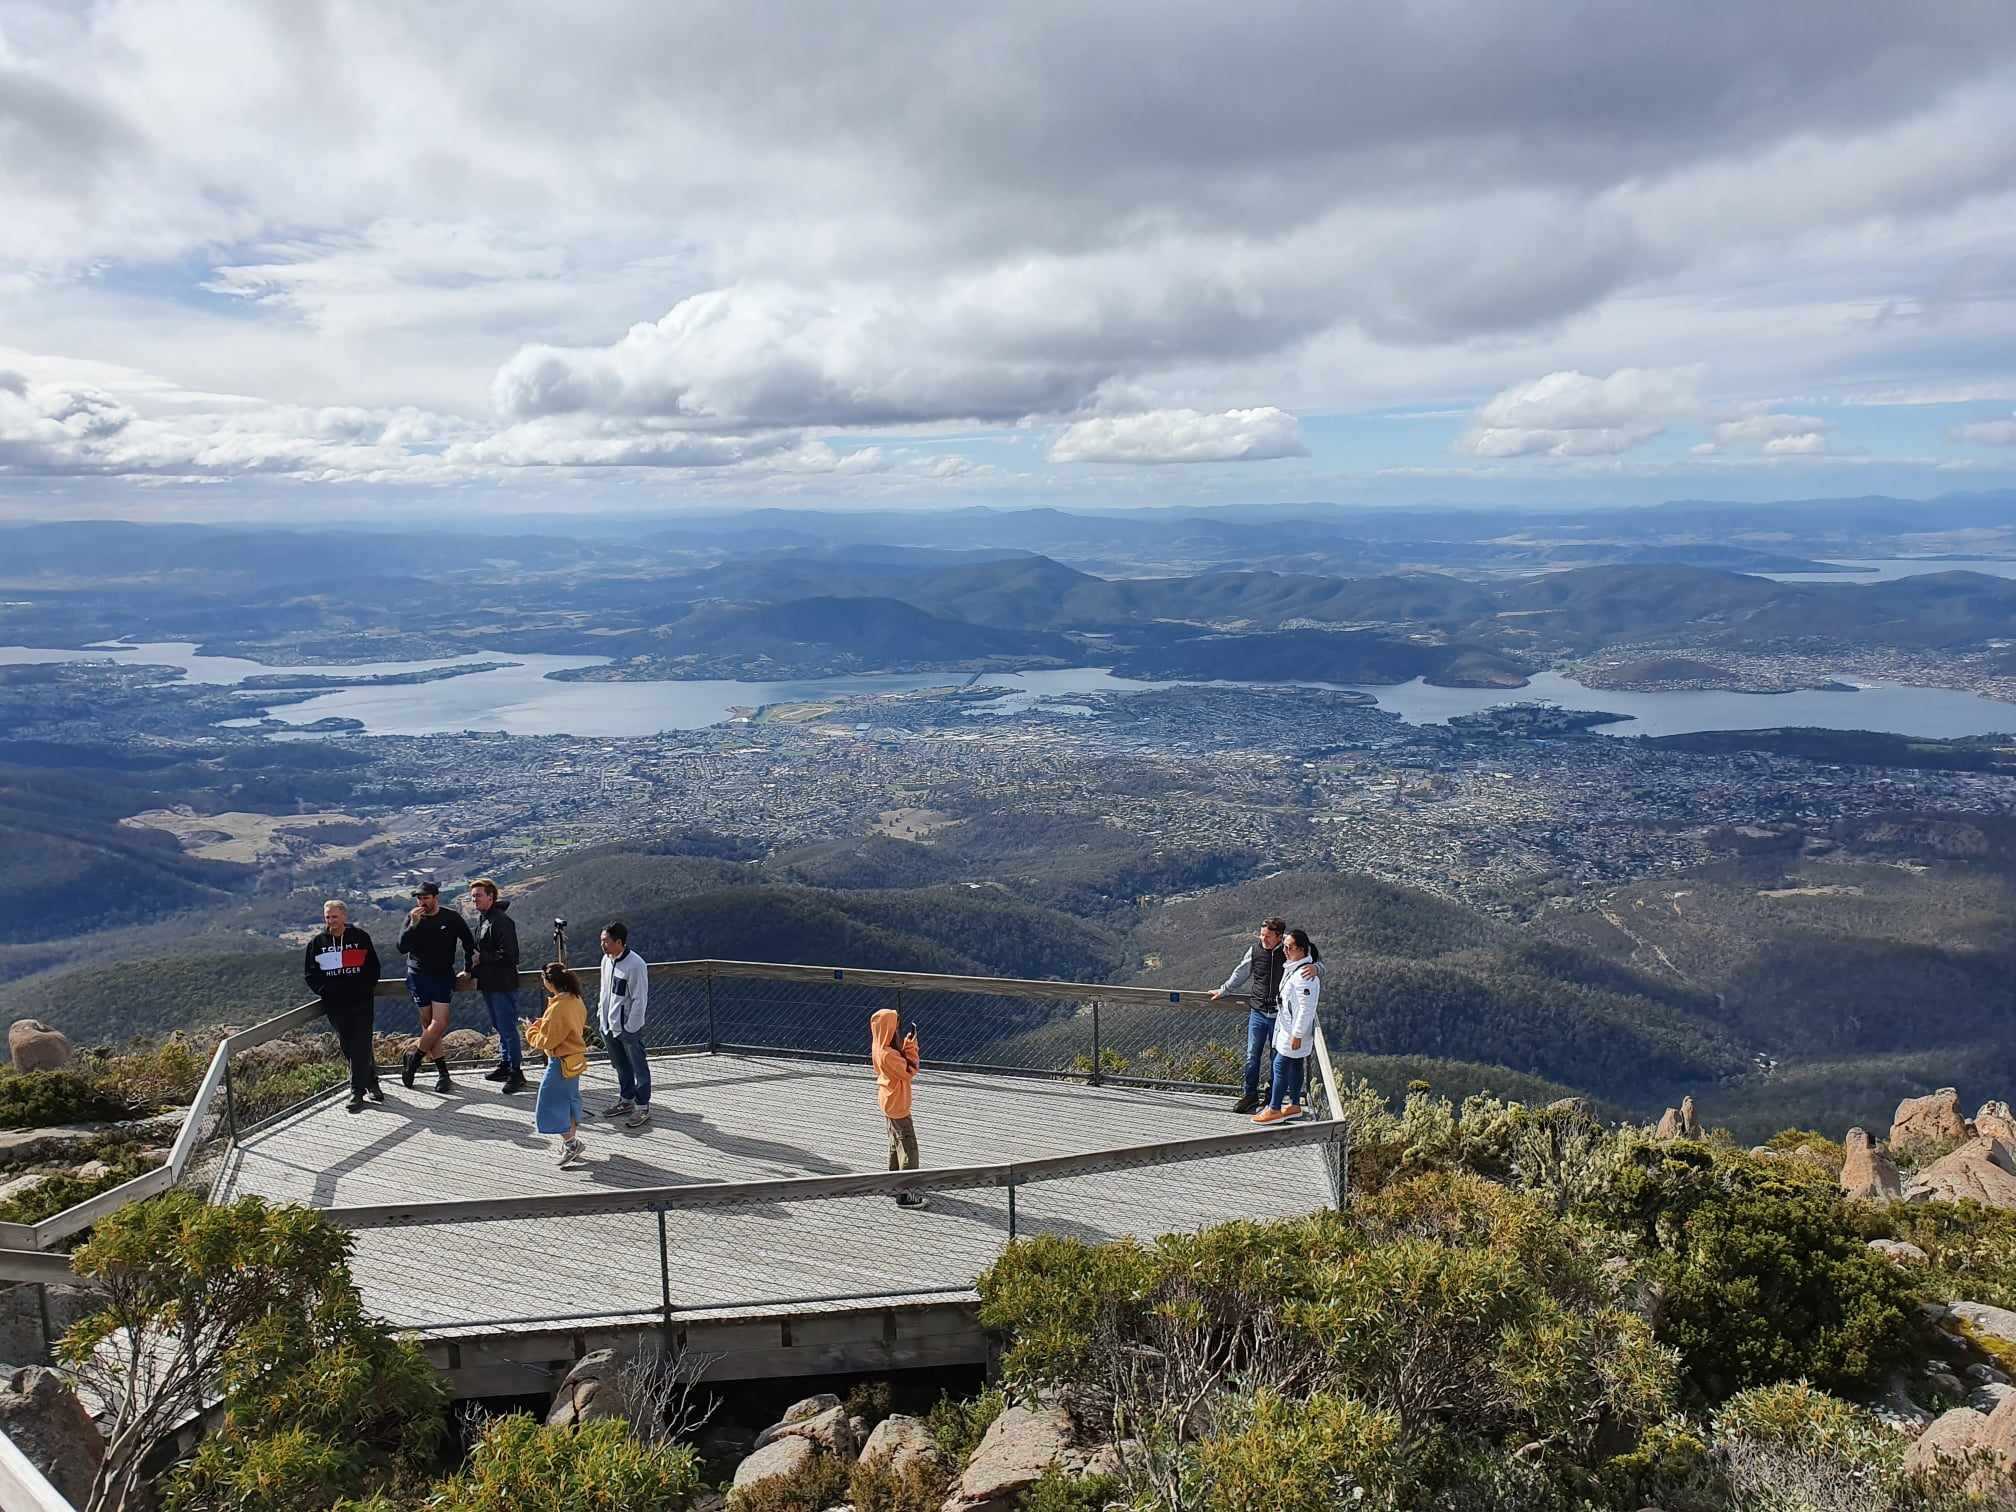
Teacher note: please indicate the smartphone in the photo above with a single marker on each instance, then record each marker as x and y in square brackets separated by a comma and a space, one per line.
[912, 1030]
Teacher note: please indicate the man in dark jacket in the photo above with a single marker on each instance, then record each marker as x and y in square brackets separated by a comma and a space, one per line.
[495, 967]
[342, 970]
[429, 942]
[1259, 970]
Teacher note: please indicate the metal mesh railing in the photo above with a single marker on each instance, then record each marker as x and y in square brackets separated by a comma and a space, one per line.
[802, 1244]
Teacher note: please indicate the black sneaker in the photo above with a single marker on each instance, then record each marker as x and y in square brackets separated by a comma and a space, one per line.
[1246, 1105]
[355, 1105]
[409, 1066]
[377, 1093]
[912, 1200]
[441, 1082]
[516, 1081]
[501, 1073]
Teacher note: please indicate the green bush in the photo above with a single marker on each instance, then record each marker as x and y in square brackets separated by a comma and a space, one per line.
[261, 1096]
[821, 1482]
[518, 1465]
[959, 1426]
[870, 1401]
[1055, 1491]
[55, 1193]
[878, 1487]
[1308, 1456]
[45, 1099]
[1972, 1247]
[1762, 1272]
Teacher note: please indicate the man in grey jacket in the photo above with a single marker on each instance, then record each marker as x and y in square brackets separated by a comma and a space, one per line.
[1259, 971]
[626, 1000]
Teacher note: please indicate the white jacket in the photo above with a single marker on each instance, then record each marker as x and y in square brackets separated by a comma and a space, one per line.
[1296, 1018]
[626, 994]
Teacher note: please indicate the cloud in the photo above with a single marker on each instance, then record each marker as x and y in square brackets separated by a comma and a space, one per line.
[1776, 435]
[1571, 414]
[1985, 433]
[1264, 434]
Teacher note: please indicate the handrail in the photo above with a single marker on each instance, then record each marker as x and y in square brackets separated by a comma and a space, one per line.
[853, 1184]
[23, 1488]
[916, 981]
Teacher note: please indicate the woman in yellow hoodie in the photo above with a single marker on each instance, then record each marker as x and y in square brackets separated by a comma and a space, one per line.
[895, 1068]
[560, 1033]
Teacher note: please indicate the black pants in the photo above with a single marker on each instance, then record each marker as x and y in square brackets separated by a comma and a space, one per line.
[355, 1024]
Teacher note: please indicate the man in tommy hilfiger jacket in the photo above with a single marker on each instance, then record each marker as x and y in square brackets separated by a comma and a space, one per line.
[342, 970]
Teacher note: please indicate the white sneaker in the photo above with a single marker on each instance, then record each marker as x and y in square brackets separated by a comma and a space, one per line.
[573, 1152]
[618, 1108]
[639, 1118]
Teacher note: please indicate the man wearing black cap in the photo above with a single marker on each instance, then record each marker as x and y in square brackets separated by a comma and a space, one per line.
[429, 942]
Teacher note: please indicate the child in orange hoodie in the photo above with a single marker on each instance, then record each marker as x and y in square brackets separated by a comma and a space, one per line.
[895, 1068]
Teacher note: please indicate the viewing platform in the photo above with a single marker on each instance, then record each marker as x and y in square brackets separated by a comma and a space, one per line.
[752, 1222]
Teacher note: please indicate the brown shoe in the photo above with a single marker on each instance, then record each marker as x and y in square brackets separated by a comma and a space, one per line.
[1270, 1116]
[1293, 1110]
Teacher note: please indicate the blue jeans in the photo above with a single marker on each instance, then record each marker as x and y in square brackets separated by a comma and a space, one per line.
[633, 1069]
[1259, 1037]
[503, 1008]
[1290, 1071]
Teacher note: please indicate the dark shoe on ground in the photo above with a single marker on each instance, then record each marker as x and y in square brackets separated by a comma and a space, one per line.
[441, 1082]
[1246, 1105]
[501, 1073]
[377, 1093]
[640, 1117]
[515, 1082]
[409, 1066]
[621, 1108]
[355, 1105]
[913, 1200]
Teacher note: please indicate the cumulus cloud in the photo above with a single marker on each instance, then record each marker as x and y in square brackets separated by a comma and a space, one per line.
[1572, 414]
[1772, 433]
[1986, 433]
[1182, 435]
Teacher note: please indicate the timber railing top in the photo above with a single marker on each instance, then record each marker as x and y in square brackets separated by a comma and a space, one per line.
[22, 1244]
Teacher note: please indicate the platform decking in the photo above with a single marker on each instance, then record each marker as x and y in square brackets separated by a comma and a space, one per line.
[721, 1118]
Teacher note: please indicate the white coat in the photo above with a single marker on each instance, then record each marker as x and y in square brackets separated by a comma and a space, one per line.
[1296, 1018]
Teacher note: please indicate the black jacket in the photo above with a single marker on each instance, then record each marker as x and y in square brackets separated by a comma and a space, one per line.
[497, 943]
[349, 983]
[429, 944]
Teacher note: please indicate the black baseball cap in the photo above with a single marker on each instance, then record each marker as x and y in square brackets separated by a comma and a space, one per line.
[429, 889]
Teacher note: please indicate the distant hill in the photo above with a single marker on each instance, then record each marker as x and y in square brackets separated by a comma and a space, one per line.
[1324, 656]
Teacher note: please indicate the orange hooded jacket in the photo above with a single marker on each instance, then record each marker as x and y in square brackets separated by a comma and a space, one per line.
[895, 1066]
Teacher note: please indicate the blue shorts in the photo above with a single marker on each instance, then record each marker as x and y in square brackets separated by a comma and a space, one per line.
[430, 987]
[559, 1106]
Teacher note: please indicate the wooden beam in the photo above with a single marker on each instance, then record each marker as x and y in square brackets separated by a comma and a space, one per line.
[35, 1265]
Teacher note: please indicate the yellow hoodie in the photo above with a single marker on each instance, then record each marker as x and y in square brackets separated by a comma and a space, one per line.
[560, 1033]
[895, 1066]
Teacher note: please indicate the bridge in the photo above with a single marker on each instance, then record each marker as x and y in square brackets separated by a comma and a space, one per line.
[751, 1223]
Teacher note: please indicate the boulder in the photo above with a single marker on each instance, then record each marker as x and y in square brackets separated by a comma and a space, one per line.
[1996, 1322]
[1982, 1170]
[1669, 1125]
[831, 1430]
[1869, 1173]
[1999, 1435]
[1897, 1409]
[784, 1456]
[589, 1392]
[14, 1186]
[900, 1442]
[1933, 1118]
[1901, 1251]
[798, 1412]
[1953, 1435]
[1690, 1126]
[1988, 1398]
[47, 1423]
[1018, 1447]
[1995, 1121]
[33, 1046]
[467, 1044]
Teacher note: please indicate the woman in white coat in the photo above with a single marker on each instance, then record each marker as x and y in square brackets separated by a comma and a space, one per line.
[1294, 1029]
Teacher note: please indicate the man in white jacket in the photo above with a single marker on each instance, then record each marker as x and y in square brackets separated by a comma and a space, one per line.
[626, 999]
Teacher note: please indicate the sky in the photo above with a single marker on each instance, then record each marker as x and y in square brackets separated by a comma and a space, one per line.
[298, 260]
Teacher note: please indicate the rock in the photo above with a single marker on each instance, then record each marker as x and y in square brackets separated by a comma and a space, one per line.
[1897, 1409]
[1995, 1121]
[1999, 1436]
[784, 1456]
[1901, 1251]
[1988, 1398]
[1933, 1118]
[1952, 1436]
[1869, 1173]
[1945, 1383]
[467, 1044]
[1669, 1125]
[1981, 1374]
[831, 1430]
[33, 1046]
[47, 1423]
[798, 1412]
[1111, 1459]
[589, 1392]
[16, 1186]
[901, 1442]
[1690, 1126]
[1018, 1447]
[1996, 1322]
[1982, 1170]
